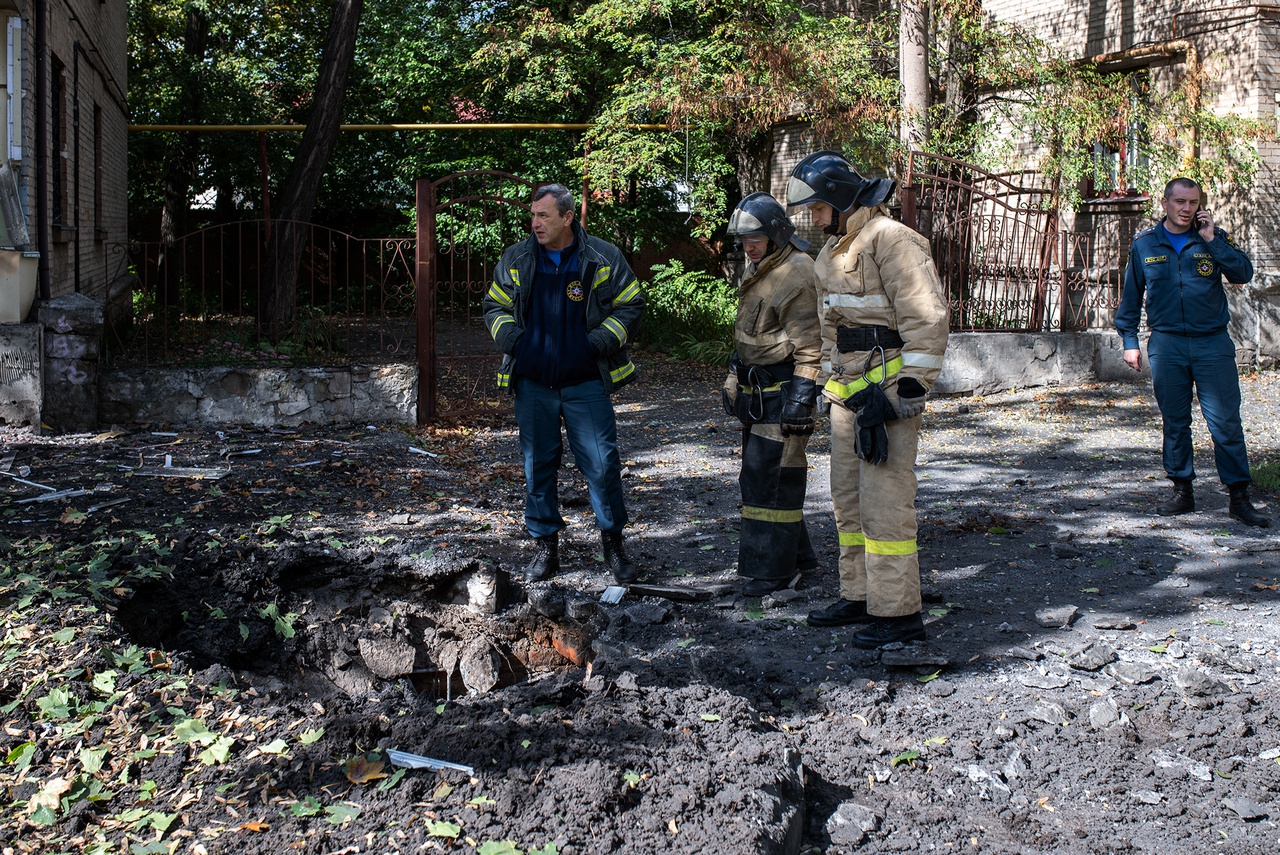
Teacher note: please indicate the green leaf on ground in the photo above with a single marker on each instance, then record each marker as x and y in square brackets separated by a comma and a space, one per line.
[275, 746]
[905, 757]
[708, 716]
[499, 847]
[218, 752]
[309, 736]
[339, 814]
[441, 828]
[392, 781]
[927, 678]
[309, 806]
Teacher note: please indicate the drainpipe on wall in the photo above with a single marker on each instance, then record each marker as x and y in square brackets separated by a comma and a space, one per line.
[42, 146]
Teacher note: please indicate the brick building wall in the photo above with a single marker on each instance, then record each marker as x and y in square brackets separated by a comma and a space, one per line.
[86, 136]
[87, 190]
[1238, 47]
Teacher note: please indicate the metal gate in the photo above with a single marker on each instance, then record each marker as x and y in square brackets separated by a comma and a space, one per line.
[993, 239]
[465, 220]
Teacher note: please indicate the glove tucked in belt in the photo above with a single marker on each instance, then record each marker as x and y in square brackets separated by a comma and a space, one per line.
[873, 410]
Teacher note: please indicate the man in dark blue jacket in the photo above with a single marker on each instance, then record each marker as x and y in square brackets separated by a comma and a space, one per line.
[561, 308]
[1177, 268]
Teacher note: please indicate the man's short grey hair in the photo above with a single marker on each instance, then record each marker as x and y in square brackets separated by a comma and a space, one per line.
[564, 199]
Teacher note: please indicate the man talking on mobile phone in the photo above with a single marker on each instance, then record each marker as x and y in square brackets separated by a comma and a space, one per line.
[1176, 269]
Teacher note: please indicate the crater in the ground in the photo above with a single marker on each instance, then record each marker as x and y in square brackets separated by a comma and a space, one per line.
[320, 622]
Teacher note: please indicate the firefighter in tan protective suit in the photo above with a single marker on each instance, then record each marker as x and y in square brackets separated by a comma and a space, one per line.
[772, 389]
[884, 328]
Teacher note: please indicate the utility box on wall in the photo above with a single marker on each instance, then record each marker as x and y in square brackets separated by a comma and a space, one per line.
[17, 284]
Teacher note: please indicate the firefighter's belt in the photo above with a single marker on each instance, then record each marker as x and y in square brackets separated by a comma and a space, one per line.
[856, 339]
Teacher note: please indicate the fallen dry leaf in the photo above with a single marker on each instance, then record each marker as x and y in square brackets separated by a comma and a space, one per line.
[255, 825]
[362, 770]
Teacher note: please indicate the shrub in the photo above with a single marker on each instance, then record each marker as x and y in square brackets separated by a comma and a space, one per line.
[690, 313]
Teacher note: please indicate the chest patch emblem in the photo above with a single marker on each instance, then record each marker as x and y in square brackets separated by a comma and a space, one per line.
[1205, 267]
[574, 291]
[1155, 259]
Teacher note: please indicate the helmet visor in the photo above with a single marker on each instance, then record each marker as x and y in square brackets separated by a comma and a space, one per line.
[799, 195]
[743, 223]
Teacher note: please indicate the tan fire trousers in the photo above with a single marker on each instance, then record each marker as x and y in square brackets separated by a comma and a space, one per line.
[876, 517]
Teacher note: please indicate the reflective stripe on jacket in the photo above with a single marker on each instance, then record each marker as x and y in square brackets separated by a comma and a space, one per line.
[615, 304]
[881, 274]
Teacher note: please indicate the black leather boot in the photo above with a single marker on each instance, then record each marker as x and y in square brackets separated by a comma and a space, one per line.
[1242, 509]
[1183, 501]
[546, 558]
[615, 558]
[840, 613]
[886, 630]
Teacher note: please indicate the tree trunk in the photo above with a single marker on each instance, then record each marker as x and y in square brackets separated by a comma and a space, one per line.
[279, 297]
[913, 69]
[180, 168]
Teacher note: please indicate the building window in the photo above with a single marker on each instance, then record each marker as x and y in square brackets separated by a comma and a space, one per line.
[58, 121]
[99, 230]
[1122, 163]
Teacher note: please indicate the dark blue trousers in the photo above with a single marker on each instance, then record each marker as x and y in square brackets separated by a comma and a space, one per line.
[1208, 364]
[592, 431]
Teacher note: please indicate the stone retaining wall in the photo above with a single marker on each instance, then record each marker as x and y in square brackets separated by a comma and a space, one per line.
[976, 363]
[263, 397]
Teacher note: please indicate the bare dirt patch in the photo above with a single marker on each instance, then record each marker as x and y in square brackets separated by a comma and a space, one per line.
[223, 663]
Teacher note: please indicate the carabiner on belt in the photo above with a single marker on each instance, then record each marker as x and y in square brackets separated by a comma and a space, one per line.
[757, 396]
[884, 366]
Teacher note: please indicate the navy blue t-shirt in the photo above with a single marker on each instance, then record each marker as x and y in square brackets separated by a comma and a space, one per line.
[554, 350]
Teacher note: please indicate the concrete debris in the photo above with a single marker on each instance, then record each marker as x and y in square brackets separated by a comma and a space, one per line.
[1024, 653]
[387, 658]
[1063, 551]
[911, 657]
[1093, 657]
[1246, 809]
[1133, 673]
[1113, 622]
[1148, 797]
[1057, 618]
[1193, 681]
[1050, 713]
[1105, 713]
[479, 666]
[648, 612]
[851, 823]
[1044, 680]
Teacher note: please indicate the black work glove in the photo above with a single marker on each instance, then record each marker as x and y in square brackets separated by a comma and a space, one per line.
[797, 412]
[911, 397]
[873, 409]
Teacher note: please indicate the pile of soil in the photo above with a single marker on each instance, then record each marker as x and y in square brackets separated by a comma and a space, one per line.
[228, 631]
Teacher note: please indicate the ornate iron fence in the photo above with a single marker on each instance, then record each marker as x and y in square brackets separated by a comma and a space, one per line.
[992, 240]
[1005, 261]
[197, 301]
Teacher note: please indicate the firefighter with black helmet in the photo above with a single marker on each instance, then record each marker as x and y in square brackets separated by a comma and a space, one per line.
[772, 389]
[884, 321]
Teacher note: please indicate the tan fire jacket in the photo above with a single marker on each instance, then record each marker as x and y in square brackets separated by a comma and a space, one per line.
[880, 273]
[777, 314]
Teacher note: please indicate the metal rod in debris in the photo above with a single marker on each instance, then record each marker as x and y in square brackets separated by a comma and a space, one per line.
[417, 761]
